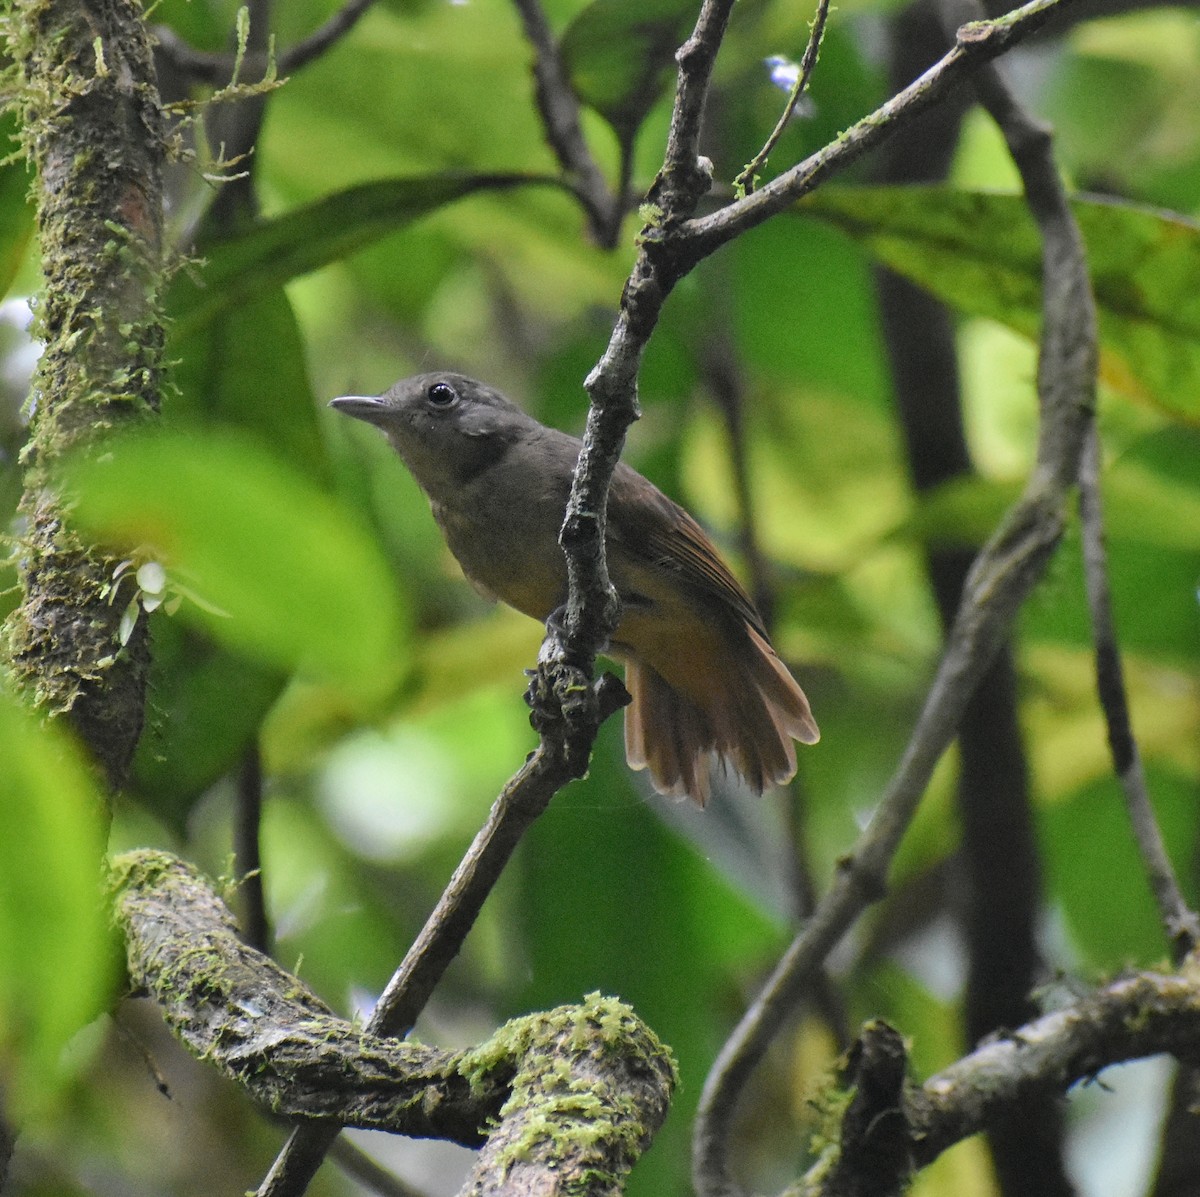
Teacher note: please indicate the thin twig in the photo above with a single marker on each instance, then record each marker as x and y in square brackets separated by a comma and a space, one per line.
[322, 38]
[367, 1172]
[1002, 577]
[247, 854]
[978, 42]
[745, 182]
[559, 107]
[1180, 921]
[718, 360]
[216, 67]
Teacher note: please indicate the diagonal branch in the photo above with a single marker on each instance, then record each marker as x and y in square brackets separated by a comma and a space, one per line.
[520, 803]
[323, 37]
[978, 43]
[560, 115]
[1002, 577]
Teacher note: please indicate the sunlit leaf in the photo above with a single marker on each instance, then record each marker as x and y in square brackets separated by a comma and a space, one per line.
[282, 572]
[267, 254]
[54, 950]
[620, 54]
[980, 253]
[963, 511]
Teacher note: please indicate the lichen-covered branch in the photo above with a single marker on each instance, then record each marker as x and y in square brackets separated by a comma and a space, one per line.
[576, 1092]
[94, 131]
[1143, 1015]
[577, 1122]
[233, 1006]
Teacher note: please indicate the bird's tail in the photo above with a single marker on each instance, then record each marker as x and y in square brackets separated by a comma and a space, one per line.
[748, 717]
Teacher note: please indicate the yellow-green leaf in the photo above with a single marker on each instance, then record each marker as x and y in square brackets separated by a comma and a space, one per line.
[266, 562]
[980, 253]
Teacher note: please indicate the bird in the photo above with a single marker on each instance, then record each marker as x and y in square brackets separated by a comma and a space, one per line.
[704, 681]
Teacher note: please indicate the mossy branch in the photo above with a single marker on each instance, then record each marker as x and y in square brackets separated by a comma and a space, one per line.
[884, 1127]
[94, 131]
[566, 1100]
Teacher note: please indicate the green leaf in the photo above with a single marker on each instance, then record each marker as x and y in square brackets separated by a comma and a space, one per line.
[962, 511]
[207, 705]
[267, 563]
[16, 209]
[267, 254]
[247, 368]
[54, 950]
[980, 253]
[1102, 892]
[620, 56]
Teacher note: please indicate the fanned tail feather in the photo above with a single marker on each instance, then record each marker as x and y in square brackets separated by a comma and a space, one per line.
[750, 718]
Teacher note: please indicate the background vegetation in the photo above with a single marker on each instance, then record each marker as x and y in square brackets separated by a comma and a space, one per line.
[314, 634]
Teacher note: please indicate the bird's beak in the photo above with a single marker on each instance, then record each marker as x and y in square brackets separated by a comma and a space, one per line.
[370, 408]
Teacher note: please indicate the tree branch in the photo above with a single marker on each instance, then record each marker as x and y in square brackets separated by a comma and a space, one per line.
[247, 853]
[323, 37]
[999, 891]
[94, 129]
[576, 1093]
[557, 760]
[978, 42]
[592, 608]
[1001, 578]
[560, 116]
[1144, 1015]
[746, 181]
[215, 68]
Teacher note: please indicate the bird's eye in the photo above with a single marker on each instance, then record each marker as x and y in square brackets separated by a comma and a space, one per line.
[441, 394]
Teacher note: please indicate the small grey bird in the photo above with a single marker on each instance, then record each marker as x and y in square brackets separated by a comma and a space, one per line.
[699, 665]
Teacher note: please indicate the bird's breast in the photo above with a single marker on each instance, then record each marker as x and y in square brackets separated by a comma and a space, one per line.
[509, 549]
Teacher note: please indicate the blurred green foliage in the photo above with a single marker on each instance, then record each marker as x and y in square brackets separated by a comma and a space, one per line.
[411, 220]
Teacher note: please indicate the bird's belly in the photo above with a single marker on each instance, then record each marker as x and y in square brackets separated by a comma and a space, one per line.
[677, 642]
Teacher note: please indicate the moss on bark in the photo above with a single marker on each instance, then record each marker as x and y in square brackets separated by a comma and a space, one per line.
[94, 131]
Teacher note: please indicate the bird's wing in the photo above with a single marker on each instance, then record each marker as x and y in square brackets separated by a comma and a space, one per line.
[649, 527]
